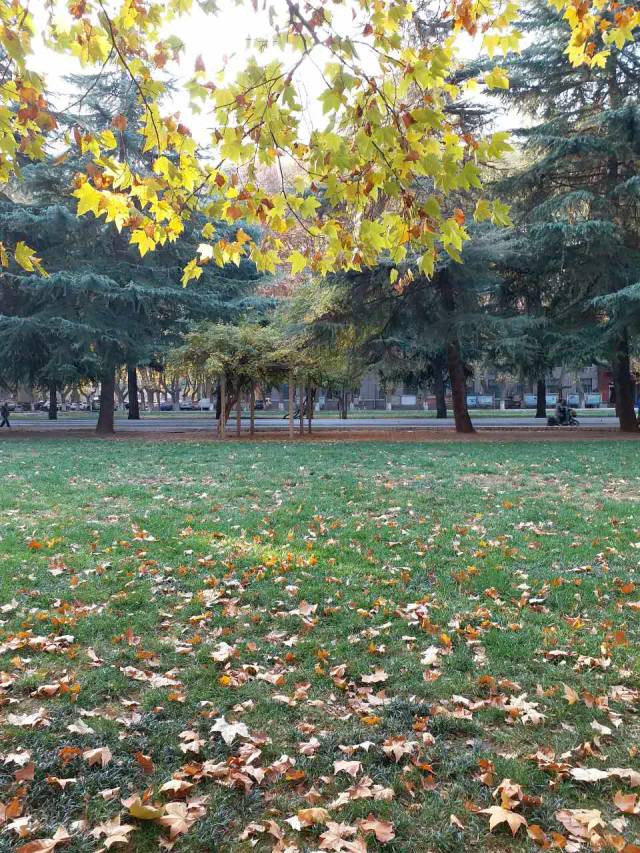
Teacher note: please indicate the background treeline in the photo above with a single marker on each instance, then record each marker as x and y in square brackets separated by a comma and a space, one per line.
[558, 285]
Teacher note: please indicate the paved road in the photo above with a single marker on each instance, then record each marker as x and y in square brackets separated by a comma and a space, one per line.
[179, 423]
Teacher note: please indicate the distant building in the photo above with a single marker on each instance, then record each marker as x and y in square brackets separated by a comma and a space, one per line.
[590, 386]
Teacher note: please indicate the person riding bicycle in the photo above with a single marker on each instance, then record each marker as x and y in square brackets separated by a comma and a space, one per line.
[562, 412]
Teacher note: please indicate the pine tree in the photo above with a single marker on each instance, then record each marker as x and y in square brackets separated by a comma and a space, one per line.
[102, 305]
[577, 193]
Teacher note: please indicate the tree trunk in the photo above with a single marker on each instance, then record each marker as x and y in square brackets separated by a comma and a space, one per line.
[291, 405]
[132, 391]
[439, 387]
[458, 388]
[53, 401]
[302, 410]
[252, 409]
[222, 397]
[343, 405]
[107, 391]
[218, 403]
[311, 393]
[239, 412]
[175, 394]
[624, 385]
[541, 399]
[454, 359]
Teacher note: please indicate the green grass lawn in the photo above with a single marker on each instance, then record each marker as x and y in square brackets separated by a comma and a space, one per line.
[210, 640]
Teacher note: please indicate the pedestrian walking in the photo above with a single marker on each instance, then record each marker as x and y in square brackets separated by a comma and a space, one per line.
[4, 415]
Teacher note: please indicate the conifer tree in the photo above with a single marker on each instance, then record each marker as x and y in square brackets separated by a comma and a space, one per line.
[102, 305]
[577, 193]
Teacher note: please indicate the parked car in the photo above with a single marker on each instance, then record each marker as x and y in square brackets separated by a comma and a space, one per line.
[186, 406]
[165, 406]
[204, 404]
[259, 406]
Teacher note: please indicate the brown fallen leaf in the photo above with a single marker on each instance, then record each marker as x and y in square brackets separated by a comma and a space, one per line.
[627, 803]
[588, 774]
[570, 694]
[101, 755]
[144, 761]
[350, 767]
[580, 822]
[178, 787]
[144, 811]
[26, 773]
[178, 818]
[308, 817]
[45, 845]
[36, 720]
[62, 783]
[498, 815]
[377, 675]
[113, 831]
[383, 829]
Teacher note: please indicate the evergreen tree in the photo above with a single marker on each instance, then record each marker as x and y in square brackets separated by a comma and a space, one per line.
[102, 306]
[577, 193]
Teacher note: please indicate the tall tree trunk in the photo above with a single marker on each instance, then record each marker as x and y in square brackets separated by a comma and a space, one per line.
[218, 403]
[454, 358]
[291, 404]
[53, 401]
[132, 391]
[311, 395]
[438, 387]
[222, 397]
[541, 398]
[624, 385]
[239, 412]
[107, 391]
[175, 394]
[458, 388]
[344, 411]
[302, 410]
[252, 409]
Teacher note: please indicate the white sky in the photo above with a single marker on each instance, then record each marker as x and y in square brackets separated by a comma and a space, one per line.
[223, 40]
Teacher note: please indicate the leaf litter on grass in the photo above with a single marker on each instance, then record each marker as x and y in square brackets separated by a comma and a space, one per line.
[324, 648]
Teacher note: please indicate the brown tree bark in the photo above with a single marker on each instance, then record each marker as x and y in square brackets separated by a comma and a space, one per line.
[624, 385]
[291, 405]
[455, 364]
[252, 409]
[222, 421]
[238, 412]
[302, 410]
[311, 395]
[344, 405]
[541, 399]
[53, 401]
[132, 393]
[439, 388]
[107, 391]
[458, 380]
